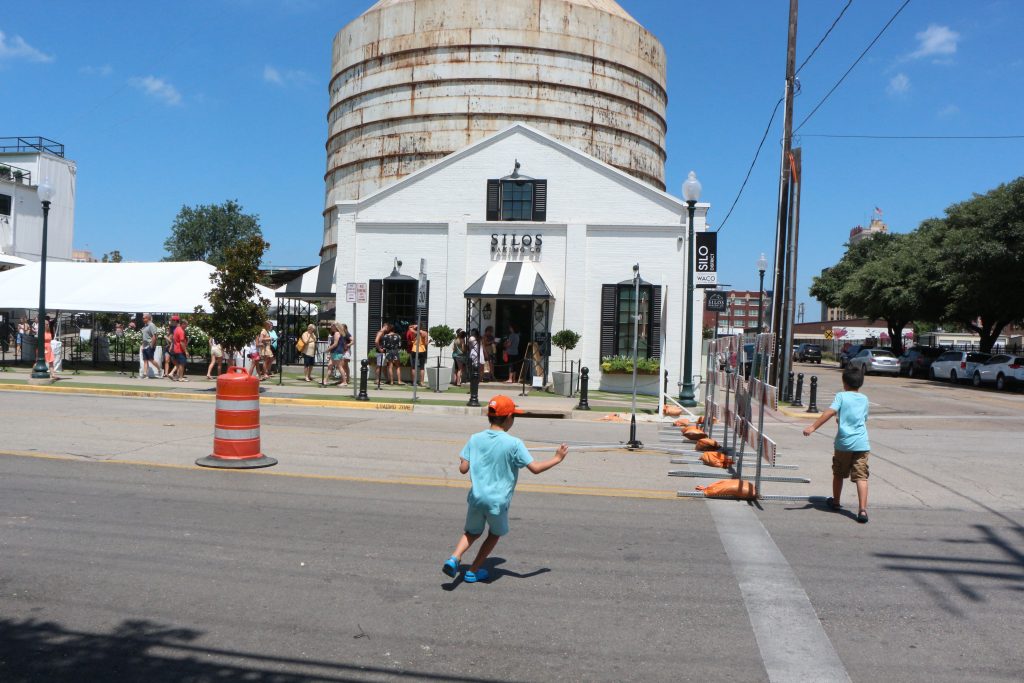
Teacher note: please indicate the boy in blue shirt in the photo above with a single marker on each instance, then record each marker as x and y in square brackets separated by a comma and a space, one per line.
[852, 448]
[493, 459]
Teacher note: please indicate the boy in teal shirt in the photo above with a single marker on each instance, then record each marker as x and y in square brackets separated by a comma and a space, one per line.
[493, 459]
[852, 447]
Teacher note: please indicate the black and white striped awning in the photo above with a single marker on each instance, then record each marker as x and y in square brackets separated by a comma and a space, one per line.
[510, 280]
[317, 283]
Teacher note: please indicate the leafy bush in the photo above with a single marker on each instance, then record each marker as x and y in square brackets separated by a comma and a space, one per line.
[623, 365]
[566, 340]
[441, 336]
[403, 357]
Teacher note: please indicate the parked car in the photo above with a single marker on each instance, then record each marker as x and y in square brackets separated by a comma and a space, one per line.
[957, 366]
[917, 360]
[845, 356]
[808, 353]
[876, 360]
[1001, 369]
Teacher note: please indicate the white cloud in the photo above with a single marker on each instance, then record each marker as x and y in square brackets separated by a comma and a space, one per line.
[935, 41]
[17, 48]
[157, 88]
[898, 84]
[285, 77]
[103, 71]
[949, 110]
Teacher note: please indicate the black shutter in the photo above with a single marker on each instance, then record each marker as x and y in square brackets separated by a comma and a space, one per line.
[654, 344]
[608, 301]
[373, 308]
[493, 200]
[540, 200]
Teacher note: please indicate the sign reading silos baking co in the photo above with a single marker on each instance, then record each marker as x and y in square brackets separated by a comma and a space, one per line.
[706, 268]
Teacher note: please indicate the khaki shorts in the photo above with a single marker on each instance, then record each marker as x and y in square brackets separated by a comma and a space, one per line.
[850, 464]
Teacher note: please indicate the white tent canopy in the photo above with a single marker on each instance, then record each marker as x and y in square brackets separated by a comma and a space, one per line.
[160, 287]
[10, 261]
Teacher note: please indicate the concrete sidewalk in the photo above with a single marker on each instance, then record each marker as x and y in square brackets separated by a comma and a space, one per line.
[292, 389]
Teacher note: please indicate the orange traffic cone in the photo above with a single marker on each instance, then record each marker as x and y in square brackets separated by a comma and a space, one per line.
[236, 429]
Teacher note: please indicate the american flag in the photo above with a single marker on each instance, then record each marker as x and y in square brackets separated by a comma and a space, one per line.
[878, 211]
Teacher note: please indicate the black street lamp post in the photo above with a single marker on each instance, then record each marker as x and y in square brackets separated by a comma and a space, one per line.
[40, 369]
[762, 265]
[691, 193]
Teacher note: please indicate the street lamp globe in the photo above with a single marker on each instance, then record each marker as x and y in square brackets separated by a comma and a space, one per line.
[691, 188]
[45, 191]
[762, 263]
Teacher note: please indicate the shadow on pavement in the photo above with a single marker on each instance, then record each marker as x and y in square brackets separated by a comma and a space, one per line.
[491, 565]
[139, 650]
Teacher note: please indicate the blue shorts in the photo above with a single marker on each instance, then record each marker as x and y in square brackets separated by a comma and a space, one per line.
[180, 359]
[476, 516]
[148, 353]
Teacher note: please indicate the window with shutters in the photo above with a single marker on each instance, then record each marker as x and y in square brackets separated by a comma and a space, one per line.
[393, 300]
[517, 199]
[619, 307]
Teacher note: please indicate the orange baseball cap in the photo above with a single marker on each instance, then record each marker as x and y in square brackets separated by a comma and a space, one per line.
[503, 406]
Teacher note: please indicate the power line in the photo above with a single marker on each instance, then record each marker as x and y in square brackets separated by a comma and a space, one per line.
[856, 61]
[804, 63]
[754, 161]
[917, 137]
[771, 120]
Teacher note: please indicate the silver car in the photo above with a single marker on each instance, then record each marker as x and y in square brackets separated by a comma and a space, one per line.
[957, 366]
[876, 360]
[1003, 370]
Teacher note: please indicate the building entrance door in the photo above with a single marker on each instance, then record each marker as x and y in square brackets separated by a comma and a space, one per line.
[510, 313]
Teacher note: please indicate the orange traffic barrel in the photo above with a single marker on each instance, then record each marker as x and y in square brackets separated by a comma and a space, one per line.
[236, 428]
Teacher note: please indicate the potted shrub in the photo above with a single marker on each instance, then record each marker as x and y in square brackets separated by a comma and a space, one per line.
[617, 375]
[18, 175]
[566, 340]
[5, 172]
[439, 377]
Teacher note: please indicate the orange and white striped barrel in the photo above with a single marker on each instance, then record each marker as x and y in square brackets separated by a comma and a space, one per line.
[236, 428]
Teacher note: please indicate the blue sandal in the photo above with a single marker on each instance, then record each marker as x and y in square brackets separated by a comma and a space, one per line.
[451, 567]
[479, 575]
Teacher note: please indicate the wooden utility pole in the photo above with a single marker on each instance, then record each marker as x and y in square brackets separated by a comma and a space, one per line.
[781, 247]
[793, 237]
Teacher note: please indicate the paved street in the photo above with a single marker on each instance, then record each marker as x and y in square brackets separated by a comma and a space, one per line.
[122, 561]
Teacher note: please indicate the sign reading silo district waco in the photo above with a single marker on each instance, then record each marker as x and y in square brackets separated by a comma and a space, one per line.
[706, 268]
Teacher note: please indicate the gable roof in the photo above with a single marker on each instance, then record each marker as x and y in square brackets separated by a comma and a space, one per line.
[519, 128]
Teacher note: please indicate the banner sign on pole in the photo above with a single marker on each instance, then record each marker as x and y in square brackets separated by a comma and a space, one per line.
[707, 259]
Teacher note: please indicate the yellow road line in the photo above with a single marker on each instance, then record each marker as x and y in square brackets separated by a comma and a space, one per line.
[436, 482]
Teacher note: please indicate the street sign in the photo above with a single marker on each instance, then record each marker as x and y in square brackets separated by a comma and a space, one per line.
[706, 274]
[715, 301]
[421, 290]
[355, 292]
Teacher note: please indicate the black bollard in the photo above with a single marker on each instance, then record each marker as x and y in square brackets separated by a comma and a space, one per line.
[812, 403]
[584, 382]
[474, 385]
[798, 397]
[788, 395]
[363, 372]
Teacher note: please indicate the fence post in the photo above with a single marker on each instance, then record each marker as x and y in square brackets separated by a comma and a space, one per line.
[798, 396]
[788, 396]
[363, 372]
[812, 403]
[474, 384]
[584, 403]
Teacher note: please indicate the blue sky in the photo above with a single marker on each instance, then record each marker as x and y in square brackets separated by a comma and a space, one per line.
[164, 104]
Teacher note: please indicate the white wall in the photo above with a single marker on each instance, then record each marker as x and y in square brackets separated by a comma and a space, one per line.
[26, 220]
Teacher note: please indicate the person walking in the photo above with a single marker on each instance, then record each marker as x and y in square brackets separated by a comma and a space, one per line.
[346, 354]
[512, 353]
[169, 348]
[149, 333]
[418, 353]
[492, 458]
[48, 347]
[392, 356]
[309, 340]
[459, 358]
[181, 350]
[263, 343]
[20, 338]
[378, 343]
[216, 359]
[333, 352]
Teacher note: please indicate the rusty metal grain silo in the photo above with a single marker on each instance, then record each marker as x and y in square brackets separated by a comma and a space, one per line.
[415, 80]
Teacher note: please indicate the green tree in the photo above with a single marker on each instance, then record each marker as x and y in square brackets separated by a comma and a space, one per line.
[882, 277]
[206, 232]
[980, 258]
[238, 312]
[112, 257]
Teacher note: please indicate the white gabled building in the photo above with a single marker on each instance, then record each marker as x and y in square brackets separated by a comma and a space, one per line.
[521, 228]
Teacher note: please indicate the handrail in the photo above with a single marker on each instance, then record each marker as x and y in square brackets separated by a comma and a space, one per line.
[30, 144]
